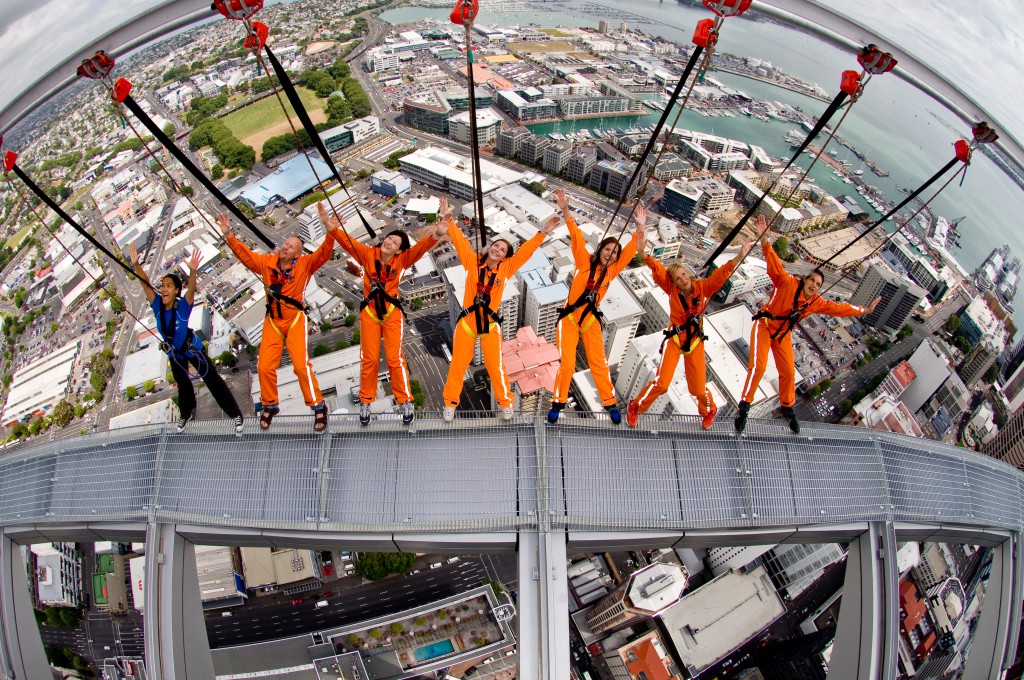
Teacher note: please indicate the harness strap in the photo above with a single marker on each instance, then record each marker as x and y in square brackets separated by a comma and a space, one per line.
[290, 326]
[587, 300]
[481, 307]
[791, 320]
[378, 295]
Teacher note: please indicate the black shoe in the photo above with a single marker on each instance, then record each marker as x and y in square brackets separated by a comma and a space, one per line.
[185, 420]
[556, 408]
[741, 418]
[790, 416]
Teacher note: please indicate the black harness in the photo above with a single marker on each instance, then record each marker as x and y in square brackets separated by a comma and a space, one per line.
[378, 295]
[274, 295]
[791, 320]
[587, 299]
[690, 329]
[481, 310]
[168, 330]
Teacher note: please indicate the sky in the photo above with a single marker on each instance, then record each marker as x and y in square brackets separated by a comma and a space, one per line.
[974, 43]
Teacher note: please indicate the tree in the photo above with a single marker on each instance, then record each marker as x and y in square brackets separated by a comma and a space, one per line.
[417, 303]
[79, 411]
[537, 188]
[952, 324]
[991, 374]
[905, 332]
[353, 639]
[376, 634]
[70, 616]
[396, 629]
[355, 337]
[374, 566]
[844, 407]
[781, 247]
[226, 358]
[340, 344]
[319, 350]
[63, 412]
[149, 386]
[217, 171]
[169, 129]
[350, 320]
[131, 392]
[416, 389]
[35, 427]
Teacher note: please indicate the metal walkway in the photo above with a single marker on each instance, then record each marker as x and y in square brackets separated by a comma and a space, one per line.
[480, 485]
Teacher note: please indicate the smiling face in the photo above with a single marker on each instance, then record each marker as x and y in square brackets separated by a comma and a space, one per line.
[391, 245]
[290, 250]
[608, 251]
[812, 283]
[497, 251]
[168, 291]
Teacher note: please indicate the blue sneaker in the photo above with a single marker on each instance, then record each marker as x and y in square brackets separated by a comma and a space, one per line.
[613, 413]
[556, 408]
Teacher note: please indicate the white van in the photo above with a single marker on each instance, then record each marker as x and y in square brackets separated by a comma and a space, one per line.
[321, 604]
[436, 565]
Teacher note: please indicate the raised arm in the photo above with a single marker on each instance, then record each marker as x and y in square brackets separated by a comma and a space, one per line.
[776, 271]
[332, 225]
[526, 251]
[320, 256]
[829, 308]
[190, 290]
[147, 287]
[463, 248]
[426, 238]
[241, 251]
[718, 277]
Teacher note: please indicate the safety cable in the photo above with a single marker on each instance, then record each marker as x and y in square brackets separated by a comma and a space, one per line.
[467, 14]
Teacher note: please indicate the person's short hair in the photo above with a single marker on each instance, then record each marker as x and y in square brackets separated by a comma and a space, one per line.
[175, 281]
[406, 244]
[821, 274]
[677, 267]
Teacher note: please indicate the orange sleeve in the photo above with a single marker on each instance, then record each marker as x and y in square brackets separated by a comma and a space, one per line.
[829, 308]
[463, 248]
[256, 263]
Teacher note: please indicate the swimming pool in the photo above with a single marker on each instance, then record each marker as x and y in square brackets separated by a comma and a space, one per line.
[428, 652]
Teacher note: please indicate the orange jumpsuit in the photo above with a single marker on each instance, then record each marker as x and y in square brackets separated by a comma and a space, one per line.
[467, 330]
[285, 326]
[787, 299]
[379, 318]
[684, 310]
[582, 322]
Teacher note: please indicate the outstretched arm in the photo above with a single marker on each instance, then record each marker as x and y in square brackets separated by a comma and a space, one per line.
[147, 287]
[193, 264]
[241, 251]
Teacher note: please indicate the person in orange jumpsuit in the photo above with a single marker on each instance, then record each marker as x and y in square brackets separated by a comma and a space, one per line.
[688, 298]
[285, 273]
[486, 275]
[381, 316]
[792, 300]
[580, 318]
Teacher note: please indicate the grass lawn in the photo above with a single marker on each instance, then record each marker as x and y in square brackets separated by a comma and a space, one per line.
[15, 240]
[554, 32]
[267, 112]
[549, 46]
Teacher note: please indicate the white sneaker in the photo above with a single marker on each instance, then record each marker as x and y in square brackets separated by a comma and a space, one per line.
[507, 413]
[448, 414]
[408, 412]
[239, 425]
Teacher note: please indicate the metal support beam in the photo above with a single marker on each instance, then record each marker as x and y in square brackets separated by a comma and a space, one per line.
[1000, 605]
[865, 644]
[21, 648]
[543, 607]
[176, 644]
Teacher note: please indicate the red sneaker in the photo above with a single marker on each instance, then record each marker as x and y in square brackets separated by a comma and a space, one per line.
[632, 413]
[709, 418]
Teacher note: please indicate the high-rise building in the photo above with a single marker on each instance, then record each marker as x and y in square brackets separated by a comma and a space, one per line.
[532, 148]
[621, 319]
[611, 179]
[58, 574]
[542, 299]
[899, 296]
[510, 141]
[580, 164]
[947, 406]
[978, 321]
[931, 367]
[976, 363]
[556, 157]
[686, 199]
[488, 123]
[645, 594]
[643, 657]
[795, 566]
[1008, 444]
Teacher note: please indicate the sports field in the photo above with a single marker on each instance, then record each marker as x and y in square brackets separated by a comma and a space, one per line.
[266, 113]
[15, 240]
[549, 46]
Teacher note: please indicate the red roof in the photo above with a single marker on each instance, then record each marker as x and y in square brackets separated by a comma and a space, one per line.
[649, 661]
[530, 361]
[912, 603]
[904, 373]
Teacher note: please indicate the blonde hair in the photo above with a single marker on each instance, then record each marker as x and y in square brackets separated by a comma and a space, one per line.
[677, 267]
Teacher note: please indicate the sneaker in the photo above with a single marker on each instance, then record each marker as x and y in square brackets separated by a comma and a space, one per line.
[364, 414]
[408, 412]
[741, 418]
[184, 421]
[239, 425]
[709, 418]
[507, 413]
[790, 416]
[448, 414]
[632, 413]
[613, 413]
[553, 412]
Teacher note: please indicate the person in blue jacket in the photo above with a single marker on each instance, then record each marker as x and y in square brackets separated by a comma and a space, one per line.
[182, 346]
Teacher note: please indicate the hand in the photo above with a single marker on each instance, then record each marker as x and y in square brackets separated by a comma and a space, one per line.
[445, 210]
[745, 248]
[562, 200]
[225, 226]
[640, 216]
[551, 224]
[193, 262]
[329, 221]
[425, 231]
[761, 226]
[133, 253]
[874, 303]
